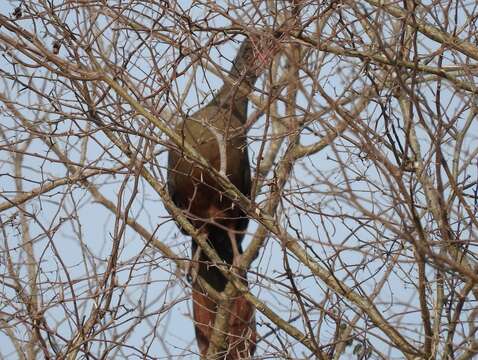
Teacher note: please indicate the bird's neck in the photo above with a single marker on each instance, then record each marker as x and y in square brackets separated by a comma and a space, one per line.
[243, 74]
[234, 98]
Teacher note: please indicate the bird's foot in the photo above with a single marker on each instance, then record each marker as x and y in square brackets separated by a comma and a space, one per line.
[192, 274]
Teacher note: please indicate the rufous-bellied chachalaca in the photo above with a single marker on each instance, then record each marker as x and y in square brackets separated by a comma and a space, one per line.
[217, 132]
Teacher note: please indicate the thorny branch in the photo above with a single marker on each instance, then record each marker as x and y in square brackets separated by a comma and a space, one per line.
[362, 137]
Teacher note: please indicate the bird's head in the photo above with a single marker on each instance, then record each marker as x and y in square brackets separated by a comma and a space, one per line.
[255, 55]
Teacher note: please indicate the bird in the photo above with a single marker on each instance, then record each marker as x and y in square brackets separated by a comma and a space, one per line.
[217, 132]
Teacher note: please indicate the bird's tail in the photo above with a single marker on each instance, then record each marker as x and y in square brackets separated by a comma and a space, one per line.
[241, 338]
